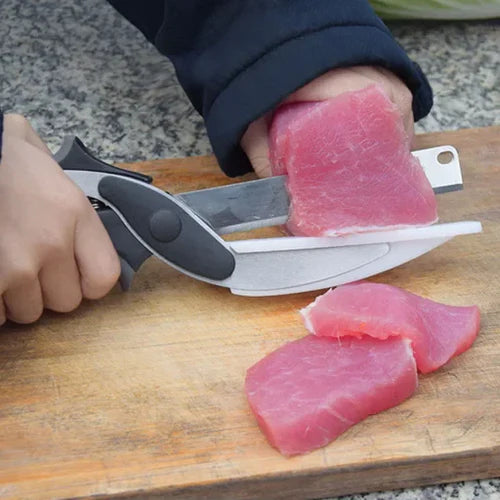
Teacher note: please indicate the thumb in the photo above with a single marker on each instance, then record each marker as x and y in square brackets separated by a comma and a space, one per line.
[255, 144]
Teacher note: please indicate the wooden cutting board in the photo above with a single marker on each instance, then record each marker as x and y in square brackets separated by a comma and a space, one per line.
[142, 392]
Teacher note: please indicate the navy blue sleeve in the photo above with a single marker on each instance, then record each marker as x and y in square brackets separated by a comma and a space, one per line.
[237, 59]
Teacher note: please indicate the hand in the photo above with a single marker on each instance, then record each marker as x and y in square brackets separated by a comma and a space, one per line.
[53, 248]
[255, 140]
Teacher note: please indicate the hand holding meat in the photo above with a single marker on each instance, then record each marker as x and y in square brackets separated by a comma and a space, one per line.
[53, 251]
[255, 141]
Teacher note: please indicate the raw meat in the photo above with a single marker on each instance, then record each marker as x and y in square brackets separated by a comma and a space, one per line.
[349, 166]
[309, 391]
[437, 332]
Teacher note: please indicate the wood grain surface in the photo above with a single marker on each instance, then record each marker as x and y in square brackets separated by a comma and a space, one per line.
[142, 393]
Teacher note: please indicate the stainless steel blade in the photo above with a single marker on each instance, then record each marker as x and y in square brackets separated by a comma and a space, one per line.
[277, 266]
[265, 202]
[360, 267]
[290, 270]
[241, 207]
[442, 167]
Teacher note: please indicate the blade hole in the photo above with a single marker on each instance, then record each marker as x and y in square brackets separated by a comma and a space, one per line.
[445, 157]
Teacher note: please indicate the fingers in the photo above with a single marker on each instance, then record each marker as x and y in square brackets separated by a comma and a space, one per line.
[330, 84]
[20, 127]
[19, 285]
[255, 143]
[57, 288]
[96, 257]
[23, 303]
[400, 95]
[60, 283]
[55, 250]
[340, 80]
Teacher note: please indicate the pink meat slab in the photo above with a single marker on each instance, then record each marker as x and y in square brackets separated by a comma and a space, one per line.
[307, 392]
[437, 332]
[349, 166]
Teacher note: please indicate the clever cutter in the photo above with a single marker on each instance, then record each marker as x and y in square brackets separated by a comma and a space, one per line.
[184, 230]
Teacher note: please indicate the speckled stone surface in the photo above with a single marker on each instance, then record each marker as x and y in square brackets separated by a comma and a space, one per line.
[77, 67]
[469, 490]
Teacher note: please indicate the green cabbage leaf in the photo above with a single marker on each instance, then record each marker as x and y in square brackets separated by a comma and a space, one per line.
[437, 9]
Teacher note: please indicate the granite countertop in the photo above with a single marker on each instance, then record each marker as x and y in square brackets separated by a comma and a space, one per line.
[77, 67]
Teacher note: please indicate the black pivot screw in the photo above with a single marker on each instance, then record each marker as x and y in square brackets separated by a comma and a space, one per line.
[165, 225]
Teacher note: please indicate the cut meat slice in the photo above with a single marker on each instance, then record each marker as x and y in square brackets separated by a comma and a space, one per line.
[309, 391]
[349, 166]
[437, 331]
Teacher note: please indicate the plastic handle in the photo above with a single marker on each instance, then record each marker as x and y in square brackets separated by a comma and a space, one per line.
[131, 252]
[168, 229]
[73, 155]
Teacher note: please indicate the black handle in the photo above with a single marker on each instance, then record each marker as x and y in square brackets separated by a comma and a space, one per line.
[131, 252]
[73, 155]
[165, 226]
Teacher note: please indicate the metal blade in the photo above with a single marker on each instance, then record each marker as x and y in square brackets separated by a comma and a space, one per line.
[241, 207]
[443, 176]
[265, 202]
[291, 270]
[277, 266]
